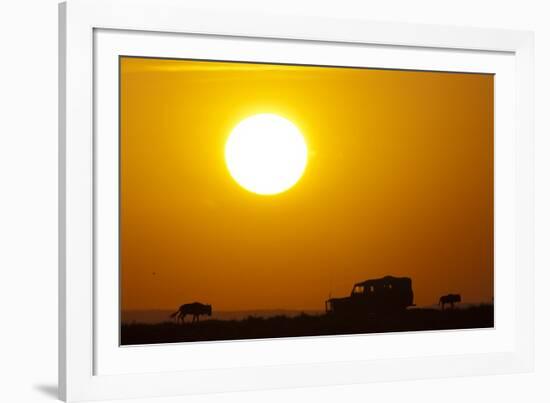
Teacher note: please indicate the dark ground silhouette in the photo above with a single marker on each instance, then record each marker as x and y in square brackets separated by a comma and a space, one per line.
[480, 316]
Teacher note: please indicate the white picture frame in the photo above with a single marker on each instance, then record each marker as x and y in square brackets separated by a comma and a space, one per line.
[91, 364]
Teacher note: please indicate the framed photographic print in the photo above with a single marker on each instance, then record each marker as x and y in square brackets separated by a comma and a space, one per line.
[273, 201]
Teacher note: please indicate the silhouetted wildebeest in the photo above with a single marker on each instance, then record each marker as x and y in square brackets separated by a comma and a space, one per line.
[195, 309]
[449, 299]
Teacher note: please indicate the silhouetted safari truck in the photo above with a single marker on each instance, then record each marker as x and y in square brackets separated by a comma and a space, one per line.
[383, 295]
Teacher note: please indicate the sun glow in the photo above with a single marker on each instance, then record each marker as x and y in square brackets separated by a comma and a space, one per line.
[266, 154]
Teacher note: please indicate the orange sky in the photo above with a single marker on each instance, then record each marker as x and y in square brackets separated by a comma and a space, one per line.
[399, 181]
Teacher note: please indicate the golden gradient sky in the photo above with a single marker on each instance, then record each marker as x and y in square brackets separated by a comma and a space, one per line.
[399, 181]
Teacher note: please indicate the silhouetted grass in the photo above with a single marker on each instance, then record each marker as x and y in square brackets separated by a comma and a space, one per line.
[307, 325]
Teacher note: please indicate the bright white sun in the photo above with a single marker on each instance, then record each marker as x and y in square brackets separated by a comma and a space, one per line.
[266, 154]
